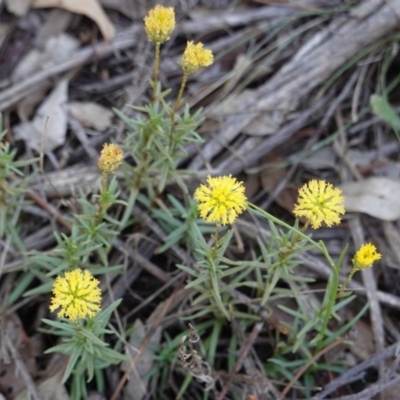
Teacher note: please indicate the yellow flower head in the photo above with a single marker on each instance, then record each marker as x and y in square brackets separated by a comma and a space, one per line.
[110, 158]
[365, 256]
[77, 294]
[320, 202]
[160, 23]
[222, 200]
[195, 57]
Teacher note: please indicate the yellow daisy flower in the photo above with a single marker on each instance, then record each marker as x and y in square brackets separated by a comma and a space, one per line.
[160, 23]
[320, 202]
[365, 256]
[222, 200]
[77, 295]
[110, 158]
[195, 57]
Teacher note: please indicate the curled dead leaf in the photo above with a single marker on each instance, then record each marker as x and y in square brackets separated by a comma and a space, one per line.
[90, 8]
[49, 126]
[377, 196]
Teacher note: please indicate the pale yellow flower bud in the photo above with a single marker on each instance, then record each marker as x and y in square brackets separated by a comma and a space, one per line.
[160, 23]
[110, 158]
[195, 57]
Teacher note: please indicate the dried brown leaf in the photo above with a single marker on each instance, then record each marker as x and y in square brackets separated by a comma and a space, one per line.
[4, 30]
[90, 8]
[377, 196]
[50, 122]
[18, 7]
[91, 114]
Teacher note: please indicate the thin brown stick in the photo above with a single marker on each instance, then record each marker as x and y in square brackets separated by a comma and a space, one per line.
[309, 362]
[253, 336]
[31, 390]
[49, 208]
[144, 343]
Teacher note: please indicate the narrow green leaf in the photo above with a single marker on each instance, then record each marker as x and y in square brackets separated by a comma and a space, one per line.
[385, 111]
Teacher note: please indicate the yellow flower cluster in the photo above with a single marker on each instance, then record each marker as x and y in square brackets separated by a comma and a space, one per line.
[366, 256]
[320, 202]
[195, 57]
[222, 200]
[160, 23]
[77, 295]
[110, 158]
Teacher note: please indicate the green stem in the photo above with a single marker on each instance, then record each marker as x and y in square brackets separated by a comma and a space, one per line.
[347, 281]
[334, 280]
[277, 221]
[140, 171]
[180, 93]
[214, 278]
[102, 206]
[215, 238]
[331, 292]
[295, 238]
[330, 298]
[173, 112]
[156, 69]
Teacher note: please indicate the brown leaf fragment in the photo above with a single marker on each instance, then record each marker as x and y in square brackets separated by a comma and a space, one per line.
[90, 8]
[49, 126]
[376, 196]
[18, 7]
[90, 114]
[51, 388]
[4, 31]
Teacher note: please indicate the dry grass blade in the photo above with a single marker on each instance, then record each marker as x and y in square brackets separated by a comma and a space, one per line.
[285, 90]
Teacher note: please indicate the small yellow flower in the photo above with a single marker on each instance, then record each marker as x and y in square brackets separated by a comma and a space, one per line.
[320, 202]
[77, 294]
[365, 256]
[110, 158]
[195, 57]
[222, 200]
[160, 23]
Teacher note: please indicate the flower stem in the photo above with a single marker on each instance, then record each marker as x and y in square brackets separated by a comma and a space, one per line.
[173, 112]
[295, 238]
[180, 93]
[344, 286]
[214, 276]
[156, 69]
[277, 221]
[102, 205]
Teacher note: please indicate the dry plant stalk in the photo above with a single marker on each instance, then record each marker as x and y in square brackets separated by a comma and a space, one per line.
[192, 362]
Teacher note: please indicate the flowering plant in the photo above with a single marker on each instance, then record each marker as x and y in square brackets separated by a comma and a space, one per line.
[222, 201]
[222, 286]
[83, 341]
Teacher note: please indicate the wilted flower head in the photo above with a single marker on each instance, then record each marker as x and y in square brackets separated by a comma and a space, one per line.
[110, 158]
[195, 57]
[160, 23]
[222, 200]
[320, 202]
[366, 256]
[77, 294]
